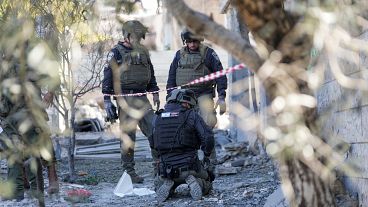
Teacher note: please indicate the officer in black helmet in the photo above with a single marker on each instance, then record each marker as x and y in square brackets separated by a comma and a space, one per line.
[179, 132]
[129, 70]
[193, 61]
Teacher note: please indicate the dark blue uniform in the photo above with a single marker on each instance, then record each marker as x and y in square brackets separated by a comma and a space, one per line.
[177, 144]
[107, 82]
[212, 62]
[195, 122]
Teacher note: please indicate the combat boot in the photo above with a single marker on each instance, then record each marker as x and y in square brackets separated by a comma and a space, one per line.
[195, 188]
[164, 190]
[53, 180]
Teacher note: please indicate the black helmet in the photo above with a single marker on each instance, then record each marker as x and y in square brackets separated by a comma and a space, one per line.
[134, 27]
[187, 35]
[182, 96]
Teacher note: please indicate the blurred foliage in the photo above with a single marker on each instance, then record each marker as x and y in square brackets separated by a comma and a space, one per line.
[5, 188]
[60, 15]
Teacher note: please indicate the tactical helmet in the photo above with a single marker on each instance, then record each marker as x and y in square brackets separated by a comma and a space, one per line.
[134, 27]
[182, 96]
[187, 35]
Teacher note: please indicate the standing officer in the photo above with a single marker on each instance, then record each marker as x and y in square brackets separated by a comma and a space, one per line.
[24, 133]
[195, 60]
[179, 132]
[130, 71]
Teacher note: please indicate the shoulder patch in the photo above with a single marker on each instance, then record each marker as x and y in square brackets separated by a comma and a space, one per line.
[169, 114]
[215, 56]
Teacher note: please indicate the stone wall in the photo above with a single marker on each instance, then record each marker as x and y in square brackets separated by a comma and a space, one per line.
[344, 114]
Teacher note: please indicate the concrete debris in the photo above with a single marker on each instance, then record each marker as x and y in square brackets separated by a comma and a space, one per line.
[222, 137]
[223, 159]
[227, 170]
[238, 148]
[238, 163]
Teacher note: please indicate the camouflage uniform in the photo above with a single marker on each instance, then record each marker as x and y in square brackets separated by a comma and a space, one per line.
[23, 120]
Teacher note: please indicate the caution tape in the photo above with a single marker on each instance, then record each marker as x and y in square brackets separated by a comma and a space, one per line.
[203, 79]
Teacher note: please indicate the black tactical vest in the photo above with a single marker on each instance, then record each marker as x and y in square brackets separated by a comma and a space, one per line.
[172, 133]
[135, 71]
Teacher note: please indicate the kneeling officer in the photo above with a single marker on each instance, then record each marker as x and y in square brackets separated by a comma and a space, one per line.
[178, 134]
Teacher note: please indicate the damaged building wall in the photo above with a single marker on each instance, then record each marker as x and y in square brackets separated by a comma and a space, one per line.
[344, 115]
[245, 92]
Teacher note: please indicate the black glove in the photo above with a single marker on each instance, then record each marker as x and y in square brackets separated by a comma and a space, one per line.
[110, 109]
[156, 101]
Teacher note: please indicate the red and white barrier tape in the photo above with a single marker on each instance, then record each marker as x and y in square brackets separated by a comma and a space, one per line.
[203, 79]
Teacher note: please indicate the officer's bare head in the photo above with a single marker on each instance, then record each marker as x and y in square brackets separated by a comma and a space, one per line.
[190, 40]
[133, 31]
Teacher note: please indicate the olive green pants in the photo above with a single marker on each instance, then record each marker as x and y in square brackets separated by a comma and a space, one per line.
[134, 111]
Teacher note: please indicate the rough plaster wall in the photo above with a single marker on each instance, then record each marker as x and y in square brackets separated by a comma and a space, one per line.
[240, 101]
[346, 118]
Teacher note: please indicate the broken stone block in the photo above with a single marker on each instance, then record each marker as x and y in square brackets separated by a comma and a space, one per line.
[223, 159]
[239, 148]
[238, 163]
[227, 170]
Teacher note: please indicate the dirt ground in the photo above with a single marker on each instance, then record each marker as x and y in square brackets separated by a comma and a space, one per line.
[250, 186]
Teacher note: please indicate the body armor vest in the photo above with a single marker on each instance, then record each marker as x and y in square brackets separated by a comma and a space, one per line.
[176, 142]
[172, 133]
[135, 69]
[192, 66]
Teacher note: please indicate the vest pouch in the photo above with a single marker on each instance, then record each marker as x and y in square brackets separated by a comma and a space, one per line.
[187, 138]
[167, 171]
[135, 71]
[190, 67]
